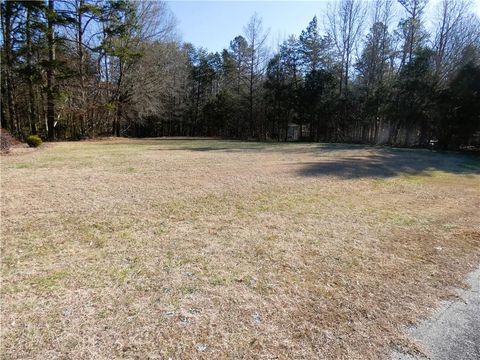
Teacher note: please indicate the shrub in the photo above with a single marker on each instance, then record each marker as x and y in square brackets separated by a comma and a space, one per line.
[34, 141]
[5, 141]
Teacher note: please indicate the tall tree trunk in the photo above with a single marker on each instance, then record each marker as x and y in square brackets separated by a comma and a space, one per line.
[118, 115]
[31, 94]
[197, 105]
[83, 102]
[7, 29]
[50, 71]
[250, 95]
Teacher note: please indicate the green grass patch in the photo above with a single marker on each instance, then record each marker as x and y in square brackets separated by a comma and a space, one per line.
[48, 282]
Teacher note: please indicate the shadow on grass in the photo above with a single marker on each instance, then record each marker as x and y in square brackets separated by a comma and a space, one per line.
[341, 160]
[393, 162]
[240, 145]
[212, 148]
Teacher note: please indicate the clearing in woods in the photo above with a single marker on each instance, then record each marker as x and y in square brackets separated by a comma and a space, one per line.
[212, 249]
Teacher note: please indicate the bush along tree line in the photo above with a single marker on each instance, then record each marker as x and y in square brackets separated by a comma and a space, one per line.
[73, 69]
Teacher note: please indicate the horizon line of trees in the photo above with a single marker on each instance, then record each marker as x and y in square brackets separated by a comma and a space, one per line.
[73, 69]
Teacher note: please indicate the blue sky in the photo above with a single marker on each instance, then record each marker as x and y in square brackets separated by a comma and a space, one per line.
[212, 24]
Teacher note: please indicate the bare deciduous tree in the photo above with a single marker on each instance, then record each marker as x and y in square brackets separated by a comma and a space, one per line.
[455, 28]
[345, 21]
[258, 52]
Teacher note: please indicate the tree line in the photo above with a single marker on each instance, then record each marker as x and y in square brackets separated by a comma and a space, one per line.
[371, 72]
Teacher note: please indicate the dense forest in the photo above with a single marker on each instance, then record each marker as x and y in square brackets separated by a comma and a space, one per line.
[365, 72]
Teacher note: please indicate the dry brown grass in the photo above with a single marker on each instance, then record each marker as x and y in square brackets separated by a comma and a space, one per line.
[214, 249]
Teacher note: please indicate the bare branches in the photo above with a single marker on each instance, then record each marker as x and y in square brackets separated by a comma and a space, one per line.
[455, 29]
[345, 25]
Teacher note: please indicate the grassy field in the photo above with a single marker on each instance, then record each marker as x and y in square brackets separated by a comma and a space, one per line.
[221, 249]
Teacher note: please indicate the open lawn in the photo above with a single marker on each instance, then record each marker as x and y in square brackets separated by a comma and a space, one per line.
[223, 249]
